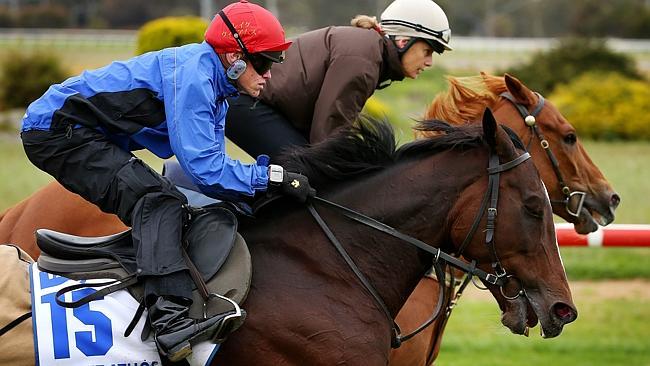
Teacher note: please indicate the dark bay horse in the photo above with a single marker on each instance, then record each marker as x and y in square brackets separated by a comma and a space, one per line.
[307, 307]
[573, 173]
[55, 208]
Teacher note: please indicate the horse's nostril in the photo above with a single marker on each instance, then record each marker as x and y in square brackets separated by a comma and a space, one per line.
[565, 312]
[615, 200]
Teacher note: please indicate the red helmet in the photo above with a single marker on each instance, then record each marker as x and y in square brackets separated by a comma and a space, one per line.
[258, 28]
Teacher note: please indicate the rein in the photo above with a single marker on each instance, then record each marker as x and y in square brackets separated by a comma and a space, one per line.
[529, 119]
[499, 278]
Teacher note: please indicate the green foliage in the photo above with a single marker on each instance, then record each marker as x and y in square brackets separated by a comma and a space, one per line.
[6, 20]
[571, 58]
[376, 109]
[170, 32]
[26, 76]
[606, 106]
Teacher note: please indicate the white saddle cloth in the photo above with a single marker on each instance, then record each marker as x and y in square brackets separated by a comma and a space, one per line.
[92, 334]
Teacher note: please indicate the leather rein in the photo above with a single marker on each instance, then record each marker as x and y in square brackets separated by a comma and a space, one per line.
[531, 122]
[488, 205]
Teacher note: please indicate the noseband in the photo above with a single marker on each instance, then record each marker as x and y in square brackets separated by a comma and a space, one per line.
[529, 119]
[498, 278]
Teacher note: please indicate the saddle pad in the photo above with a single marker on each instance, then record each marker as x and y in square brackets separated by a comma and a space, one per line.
[15, 301]
[92, 334]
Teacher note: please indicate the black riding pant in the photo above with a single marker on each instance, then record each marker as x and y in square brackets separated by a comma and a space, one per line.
[259, 129]
[85, 162]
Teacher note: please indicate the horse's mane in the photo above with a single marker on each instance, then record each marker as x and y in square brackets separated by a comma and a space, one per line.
[466, 98]
[368, 146]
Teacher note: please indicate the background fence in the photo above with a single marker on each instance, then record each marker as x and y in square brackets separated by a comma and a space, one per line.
[469, 52]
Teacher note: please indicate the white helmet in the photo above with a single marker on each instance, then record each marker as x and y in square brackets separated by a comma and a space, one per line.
[417, 18]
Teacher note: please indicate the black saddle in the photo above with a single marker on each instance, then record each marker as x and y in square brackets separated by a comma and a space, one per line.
[210, 239]
[215, 249]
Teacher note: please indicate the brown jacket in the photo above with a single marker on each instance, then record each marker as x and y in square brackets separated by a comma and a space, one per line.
[327, 77]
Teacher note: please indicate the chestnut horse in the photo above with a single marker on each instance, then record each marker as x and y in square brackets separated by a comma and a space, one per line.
[306, 306]
[574, 172]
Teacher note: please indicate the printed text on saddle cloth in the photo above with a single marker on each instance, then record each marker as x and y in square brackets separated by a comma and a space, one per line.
[92, 334]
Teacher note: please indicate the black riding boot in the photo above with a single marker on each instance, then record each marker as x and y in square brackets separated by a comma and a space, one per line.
[174, 331]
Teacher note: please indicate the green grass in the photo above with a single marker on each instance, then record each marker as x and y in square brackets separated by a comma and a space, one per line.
[625, 165]
[607, 332]
[18, 177]
[606, 263]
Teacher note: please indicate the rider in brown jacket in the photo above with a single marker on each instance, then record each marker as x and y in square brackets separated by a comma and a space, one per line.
[329, 74]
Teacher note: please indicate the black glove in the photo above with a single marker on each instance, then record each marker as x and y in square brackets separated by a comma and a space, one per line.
[296, 185]
[291, 184]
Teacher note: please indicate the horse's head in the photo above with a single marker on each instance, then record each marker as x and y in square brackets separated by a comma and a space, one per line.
[579, 192]
[549, 133]
[515, 237]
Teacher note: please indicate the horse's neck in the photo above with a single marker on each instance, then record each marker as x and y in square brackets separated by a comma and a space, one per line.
[412, 197]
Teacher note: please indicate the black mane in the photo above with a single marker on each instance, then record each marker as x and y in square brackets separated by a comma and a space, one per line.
[370, 146]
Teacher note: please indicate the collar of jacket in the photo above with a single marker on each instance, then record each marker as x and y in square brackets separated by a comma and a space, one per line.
[391, 68]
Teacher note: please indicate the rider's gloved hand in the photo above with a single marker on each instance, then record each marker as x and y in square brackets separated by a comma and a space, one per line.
[292, 184]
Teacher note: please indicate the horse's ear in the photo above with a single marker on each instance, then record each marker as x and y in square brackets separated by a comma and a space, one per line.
[489, 128]
[519, 91]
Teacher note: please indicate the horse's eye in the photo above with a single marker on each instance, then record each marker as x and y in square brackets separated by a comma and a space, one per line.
[570, 138]
[534, 208]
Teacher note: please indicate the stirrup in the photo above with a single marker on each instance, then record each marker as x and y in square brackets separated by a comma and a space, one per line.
[234, 320]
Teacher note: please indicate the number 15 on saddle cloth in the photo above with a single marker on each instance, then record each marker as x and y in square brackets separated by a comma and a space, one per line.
[93, 333]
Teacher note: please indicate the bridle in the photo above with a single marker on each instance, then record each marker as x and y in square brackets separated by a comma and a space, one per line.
[488, 206]
[529, 119]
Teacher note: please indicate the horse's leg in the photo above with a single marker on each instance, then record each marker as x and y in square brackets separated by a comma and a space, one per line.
[415, 311]
[17, 345]
[53, 207]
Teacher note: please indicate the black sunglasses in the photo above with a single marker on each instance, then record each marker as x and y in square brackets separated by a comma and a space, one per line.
[263, 61]
[260, 62]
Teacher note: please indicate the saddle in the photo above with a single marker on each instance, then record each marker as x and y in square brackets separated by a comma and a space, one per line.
[213, 247]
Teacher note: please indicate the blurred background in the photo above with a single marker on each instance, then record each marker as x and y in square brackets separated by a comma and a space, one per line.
[590, 57]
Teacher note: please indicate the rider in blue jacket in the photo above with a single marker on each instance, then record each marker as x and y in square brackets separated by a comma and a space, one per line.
[171, 102]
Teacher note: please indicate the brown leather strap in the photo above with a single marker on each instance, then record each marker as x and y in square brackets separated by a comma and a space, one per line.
[196, 275]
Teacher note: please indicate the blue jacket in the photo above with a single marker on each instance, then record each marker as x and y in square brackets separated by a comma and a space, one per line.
[171, 102]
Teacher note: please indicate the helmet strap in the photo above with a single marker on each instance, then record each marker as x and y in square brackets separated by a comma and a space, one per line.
[402, 50]
[234, 32]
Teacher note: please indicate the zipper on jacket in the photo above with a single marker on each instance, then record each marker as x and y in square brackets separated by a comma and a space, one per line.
[68, 131]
